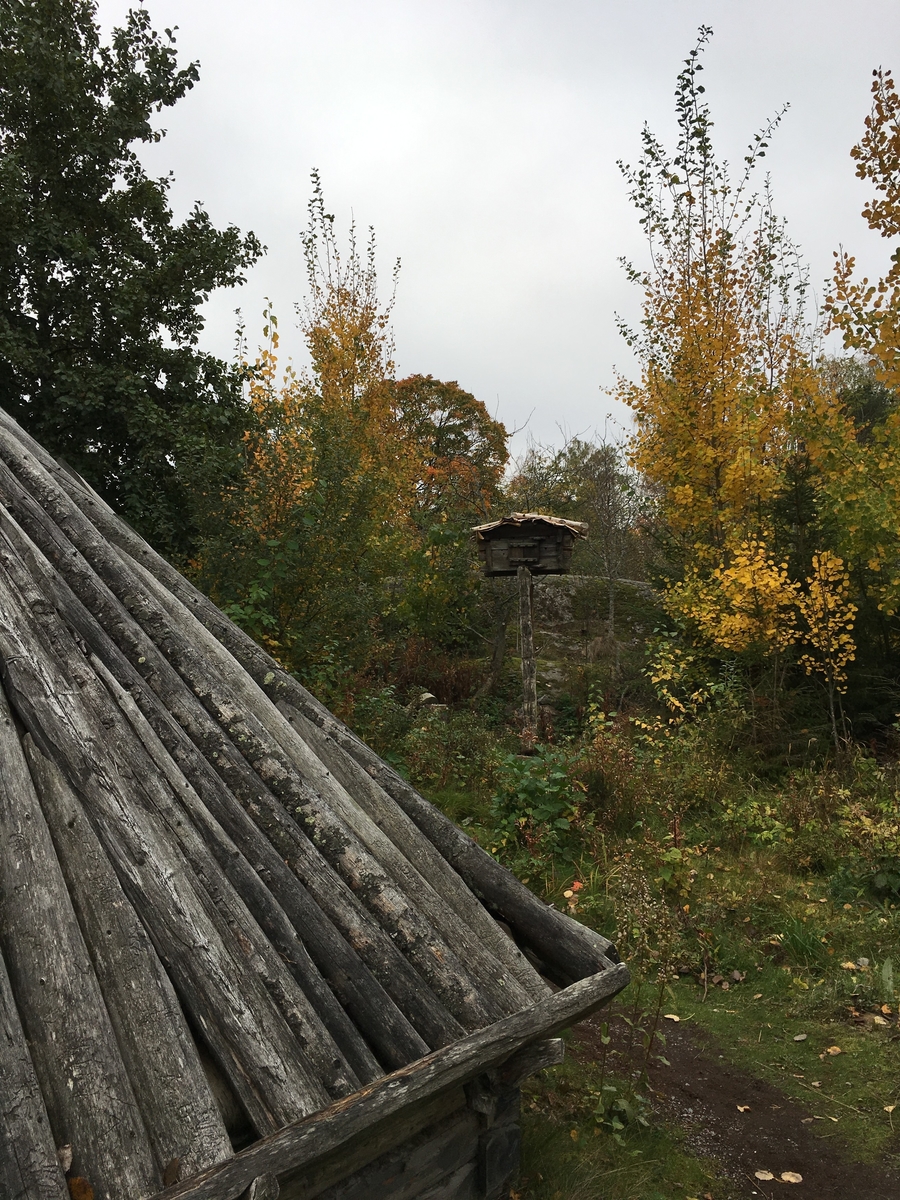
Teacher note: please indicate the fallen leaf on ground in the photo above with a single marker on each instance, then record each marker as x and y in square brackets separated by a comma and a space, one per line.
[743, 1108]
[790, 1177]
[758, 996]
[889, 1108]
[763, 1174]
[880, 1021]
[849, 966]
[800, 1037]
[834, 1050]
[671, 1017]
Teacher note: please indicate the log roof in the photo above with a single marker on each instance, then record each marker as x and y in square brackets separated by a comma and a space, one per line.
[213, 896]
[528, 522]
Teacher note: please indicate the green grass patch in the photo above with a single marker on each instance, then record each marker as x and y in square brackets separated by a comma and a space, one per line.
[570, 1152]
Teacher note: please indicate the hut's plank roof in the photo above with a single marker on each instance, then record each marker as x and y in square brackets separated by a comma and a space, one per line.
[203, 874]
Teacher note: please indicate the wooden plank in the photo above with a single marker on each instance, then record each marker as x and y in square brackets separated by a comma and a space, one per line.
[84, 1083]
[184, 1125]
[312, 1180]
[29, 1167]
[306, 1141]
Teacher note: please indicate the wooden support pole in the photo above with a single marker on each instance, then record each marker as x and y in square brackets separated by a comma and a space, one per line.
[529, 666]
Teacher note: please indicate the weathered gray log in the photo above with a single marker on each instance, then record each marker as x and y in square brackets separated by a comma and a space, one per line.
[250, 886]
[71, 712]
[83, 1080]
[179, 1112]
[501, 991]
[565, 944]
[309, 1140]
[389, 817]
[559, 940]
[330, 892]
[29, 1167]
[219, 739]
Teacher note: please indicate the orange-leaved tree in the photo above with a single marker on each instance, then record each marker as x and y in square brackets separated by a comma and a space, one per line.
[314, 530]
[723, 343]
[729, 392]
[349, 532]
[857, 453]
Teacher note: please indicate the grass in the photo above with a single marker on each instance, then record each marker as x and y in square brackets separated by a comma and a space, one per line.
[745, 915]
[569, 1155]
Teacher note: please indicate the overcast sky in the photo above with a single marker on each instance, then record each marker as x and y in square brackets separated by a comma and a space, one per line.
[480, 139]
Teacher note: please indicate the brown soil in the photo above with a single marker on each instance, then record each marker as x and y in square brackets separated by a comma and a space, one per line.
[701, 1091]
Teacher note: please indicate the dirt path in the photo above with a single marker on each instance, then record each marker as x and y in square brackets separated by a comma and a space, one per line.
[702, 1091]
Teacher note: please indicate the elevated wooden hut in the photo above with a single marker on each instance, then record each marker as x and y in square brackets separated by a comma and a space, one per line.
[542, 544]
[238, 953]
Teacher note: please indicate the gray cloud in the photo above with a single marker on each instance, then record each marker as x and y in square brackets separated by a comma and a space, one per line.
[480, 138]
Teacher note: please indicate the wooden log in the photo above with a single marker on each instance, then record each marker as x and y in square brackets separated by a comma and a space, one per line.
[68, 710]
[562, 942]
[378, 1104]
[355, 987]
[331, 893]
[499, 990]
[89, 1097]
[179, 1112]
[250, 886]
[331, 1067]
[29, 1167]
[389, 817]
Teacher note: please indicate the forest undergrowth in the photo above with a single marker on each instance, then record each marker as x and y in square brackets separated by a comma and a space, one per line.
[754, 901]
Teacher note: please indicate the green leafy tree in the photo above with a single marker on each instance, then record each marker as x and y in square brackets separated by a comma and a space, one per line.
[100, 287]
